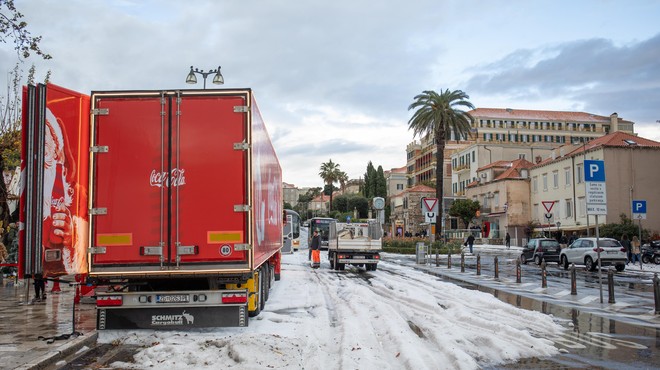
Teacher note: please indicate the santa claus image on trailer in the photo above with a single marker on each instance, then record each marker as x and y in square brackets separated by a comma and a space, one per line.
[63, 234]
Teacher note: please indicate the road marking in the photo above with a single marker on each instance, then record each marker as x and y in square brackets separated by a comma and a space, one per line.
[562, 293]
[588, 299]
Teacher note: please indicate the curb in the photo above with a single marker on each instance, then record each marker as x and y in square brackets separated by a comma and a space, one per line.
[63, 351]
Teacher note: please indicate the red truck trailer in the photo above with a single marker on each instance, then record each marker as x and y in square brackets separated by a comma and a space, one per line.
[185, 208]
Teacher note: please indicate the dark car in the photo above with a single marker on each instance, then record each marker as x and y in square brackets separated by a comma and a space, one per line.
[541, 249]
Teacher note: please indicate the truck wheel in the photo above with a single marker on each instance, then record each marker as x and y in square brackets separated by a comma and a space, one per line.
[266, 279]
[263, 279]
[336, 263]
[332, 261]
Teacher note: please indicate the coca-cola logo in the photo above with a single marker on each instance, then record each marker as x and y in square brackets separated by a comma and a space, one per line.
[176, 178]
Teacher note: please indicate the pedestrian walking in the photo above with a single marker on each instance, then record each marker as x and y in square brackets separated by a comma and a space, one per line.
[470, 242]
[314, 249]
[636, 252]
[507, 239]
[625, 242]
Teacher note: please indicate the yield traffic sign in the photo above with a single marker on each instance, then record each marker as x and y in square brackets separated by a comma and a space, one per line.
[547, 204]
[430, 205]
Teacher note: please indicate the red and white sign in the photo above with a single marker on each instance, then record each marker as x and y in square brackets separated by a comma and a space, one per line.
[548, 205]
[430, 204]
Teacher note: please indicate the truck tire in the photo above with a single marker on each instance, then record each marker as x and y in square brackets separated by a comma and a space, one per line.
[263, 279]
[266, 279]
[331, 258]
[374, 267]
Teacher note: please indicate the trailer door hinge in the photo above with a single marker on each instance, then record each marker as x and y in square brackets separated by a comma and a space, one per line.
[98, 211]
[241, 208]
[96, 250]
[101, 111]
[242, 247]
[241, 146]
[241, 109]
[151, 251]
[99, 149]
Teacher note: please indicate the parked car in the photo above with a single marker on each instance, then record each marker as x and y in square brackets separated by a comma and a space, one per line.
[541, 249]
[583, 251]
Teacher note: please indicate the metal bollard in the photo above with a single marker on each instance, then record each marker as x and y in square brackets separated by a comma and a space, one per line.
[544, 275]
[462, 261]
[478, 264]
[610, 285]
[656, 293]
[573, 280]
[497, 268]
[449, 260]
[518, 271]
[437, 257]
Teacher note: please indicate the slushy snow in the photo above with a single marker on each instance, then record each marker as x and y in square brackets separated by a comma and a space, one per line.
[393, 318]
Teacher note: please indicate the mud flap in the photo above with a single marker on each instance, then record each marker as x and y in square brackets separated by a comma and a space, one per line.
[172, 318]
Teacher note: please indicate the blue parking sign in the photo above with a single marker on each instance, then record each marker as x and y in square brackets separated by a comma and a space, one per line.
[594, 171]
[638, 206]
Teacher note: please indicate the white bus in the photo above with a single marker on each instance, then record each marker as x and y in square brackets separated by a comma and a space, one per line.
[291, 232]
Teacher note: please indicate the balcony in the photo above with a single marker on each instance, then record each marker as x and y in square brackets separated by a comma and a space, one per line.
[461, 168]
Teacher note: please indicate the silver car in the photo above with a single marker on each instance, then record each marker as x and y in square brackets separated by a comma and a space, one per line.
[584, 252]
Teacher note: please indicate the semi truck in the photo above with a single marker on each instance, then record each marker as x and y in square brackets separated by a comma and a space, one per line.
[177, 217]
[357, 244]
[185, 208]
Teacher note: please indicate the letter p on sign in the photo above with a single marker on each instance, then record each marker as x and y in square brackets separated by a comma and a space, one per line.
[594, 171]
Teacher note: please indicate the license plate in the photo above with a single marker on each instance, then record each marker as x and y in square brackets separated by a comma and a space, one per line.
[612, 252]
[358, 257]
[172, 298]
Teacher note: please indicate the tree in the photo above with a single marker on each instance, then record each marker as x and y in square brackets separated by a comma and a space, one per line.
[439, 115]
[10, 139]
[343, 179]
[464, 209]
[12, 26]
[625, 226]
[330, 174]
[381, 183]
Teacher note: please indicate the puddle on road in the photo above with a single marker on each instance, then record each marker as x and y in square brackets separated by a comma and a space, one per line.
[591, 341]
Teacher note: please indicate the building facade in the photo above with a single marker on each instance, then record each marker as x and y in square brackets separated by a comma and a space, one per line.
[505, 134]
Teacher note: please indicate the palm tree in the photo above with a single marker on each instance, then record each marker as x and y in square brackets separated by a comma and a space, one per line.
[437, 115]
[343, 179]
[330, 174]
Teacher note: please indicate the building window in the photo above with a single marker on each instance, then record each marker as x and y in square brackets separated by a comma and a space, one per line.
[535, 184]
[568, 211]
[521, 155]
[473, 157]
[579, 173]
[555, 179]
[545, 182]
[535, 212]
[567, 176]
[582, 207]
[399, 186]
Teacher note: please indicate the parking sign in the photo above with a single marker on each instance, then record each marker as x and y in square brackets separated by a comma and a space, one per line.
[594, 176]
[639, 209]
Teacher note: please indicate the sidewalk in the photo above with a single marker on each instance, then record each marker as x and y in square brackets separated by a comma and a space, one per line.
[22, 322]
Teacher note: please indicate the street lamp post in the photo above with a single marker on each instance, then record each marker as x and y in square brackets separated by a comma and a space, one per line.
[217, 79]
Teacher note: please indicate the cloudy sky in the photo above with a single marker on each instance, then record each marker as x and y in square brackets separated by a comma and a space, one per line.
[334, 79]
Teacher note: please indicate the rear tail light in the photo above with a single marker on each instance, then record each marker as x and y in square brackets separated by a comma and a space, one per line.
[109, 300]
[377, 257]
[598, 250]
[623, 249]
[229, 298]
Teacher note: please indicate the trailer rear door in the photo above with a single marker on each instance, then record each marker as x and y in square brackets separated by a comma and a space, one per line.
[167, 179]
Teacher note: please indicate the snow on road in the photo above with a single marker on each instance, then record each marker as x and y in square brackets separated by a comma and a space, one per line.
[392, 318]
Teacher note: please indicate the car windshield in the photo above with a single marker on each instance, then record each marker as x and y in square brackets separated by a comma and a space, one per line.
[549, 243]
[609, 244]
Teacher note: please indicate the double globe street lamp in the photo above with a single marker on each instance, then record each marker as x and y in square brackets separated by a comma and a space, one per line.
[217, 79]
